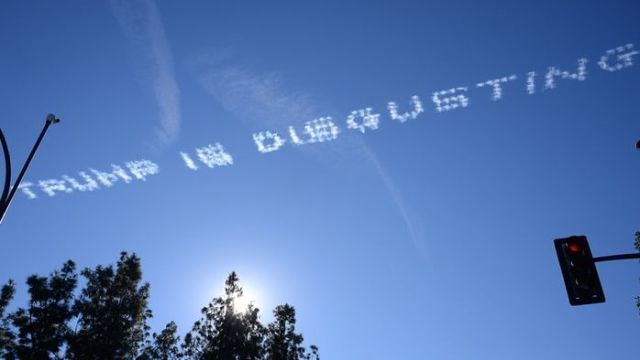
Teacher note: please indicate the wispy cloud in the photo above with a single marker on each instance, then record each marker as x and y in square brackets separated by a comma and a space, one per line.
[250, 96]
[413, 225]
[141, 23]
[263, 101]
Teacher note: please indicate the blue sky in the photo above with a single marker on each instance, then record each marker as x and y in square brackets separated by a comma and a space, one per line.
[430, 238]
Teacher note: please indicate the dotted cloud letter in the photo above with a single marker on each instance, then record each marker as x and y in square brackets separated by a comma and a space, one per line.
[495, 83]
[188, 161]
[624, 58]
[531, 82]
[317, 130]
[52, 185]
[417, 109]
[321, 129]
[89, 183]
[369, 120]
[26, 189]
[107, 179]
[446, 100]
[214, 155]
[581, 75]
[141, 168]
[295, 139]
[276, 142]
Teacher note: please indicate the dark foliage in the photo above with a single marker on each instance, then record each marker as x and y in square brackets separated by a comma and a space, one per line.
[165, 345]
[283, 343]
[6, 335]
[42, 327]
[223, 334]
[112, 312]
[107, 319]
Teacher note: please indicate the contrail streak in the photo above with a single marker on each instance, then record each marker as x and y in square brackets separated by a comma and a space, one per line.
[141, 23]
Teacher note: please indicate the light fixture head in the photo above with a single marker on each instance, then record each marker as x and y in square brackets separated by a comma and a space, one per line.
[52, 119]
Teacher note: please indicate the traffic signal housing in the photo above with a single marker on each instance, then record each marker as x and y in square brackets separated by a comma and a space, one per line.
[579, 271]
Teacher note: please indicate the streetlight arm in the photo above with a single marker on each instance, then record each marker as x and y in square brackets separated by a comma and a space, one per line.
[51, 119]
[7, 171]
[617, 257]
[26, 164]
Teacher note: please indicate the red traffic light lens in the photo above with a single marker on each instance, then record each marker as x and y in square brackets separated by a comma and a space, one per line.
[574, 248]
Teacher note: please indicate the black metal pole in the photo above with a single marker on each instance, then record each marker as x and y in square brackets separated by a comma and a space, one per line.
[617, 257]
[620, 256]
[51, 119]
[7, 171]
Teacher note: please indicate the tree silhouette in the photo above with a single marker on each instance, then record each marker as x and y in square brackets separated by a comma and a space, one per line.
[283, 343]
[224, 334]
[112, 312]
[42, 326]
[165, 345]
[107, 319]
[6, 335]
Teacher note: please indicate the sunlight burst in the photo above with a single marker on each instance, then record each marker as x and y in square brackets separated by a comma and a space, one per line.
[248, 297]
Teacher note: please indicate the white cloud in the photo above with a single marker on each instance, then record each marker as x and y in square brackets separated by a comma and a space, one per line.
[263, 101]
[624, 58]
[89, 183]
[495, 84]
[256, 98]
[413, 225]
[107, 179]
[214, 155]
[266, 141]
[50, 186]
[26, 189]
[553, 72]
[142, 168]
[446, 100]
[417, 110]
[531, 83]
[141, 23]
[369, 120]
[321, 130]
[188, 161]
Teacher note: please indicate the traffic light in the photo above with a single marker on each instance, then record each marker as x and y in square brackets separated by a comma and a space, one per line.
[579, 271]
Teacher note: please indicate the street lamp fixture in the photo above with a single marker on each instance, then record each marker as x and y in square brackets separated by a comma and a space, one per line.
[7, 191]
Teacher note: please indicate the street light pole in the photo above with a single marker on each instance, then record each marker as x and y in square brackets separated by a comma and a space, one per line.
[7, 195]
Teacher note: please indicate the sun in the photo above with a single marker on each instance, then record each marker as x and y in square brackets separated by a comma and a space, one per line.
[249, 297]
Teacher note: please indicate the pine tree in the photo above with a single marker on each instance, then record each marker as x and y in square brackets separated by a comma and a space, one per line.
[283, 343]
[224, 334]
[107, 319]
[112, 312]
[7, 345]
[42, 328]
[164, 346]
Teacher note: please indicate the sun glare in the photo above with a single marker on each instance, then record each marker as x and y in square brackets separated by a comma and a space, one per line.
[248, 297]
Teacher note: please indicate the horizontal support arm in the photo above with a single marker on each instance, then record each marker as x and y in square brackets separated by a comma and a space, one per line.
[617, 257]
